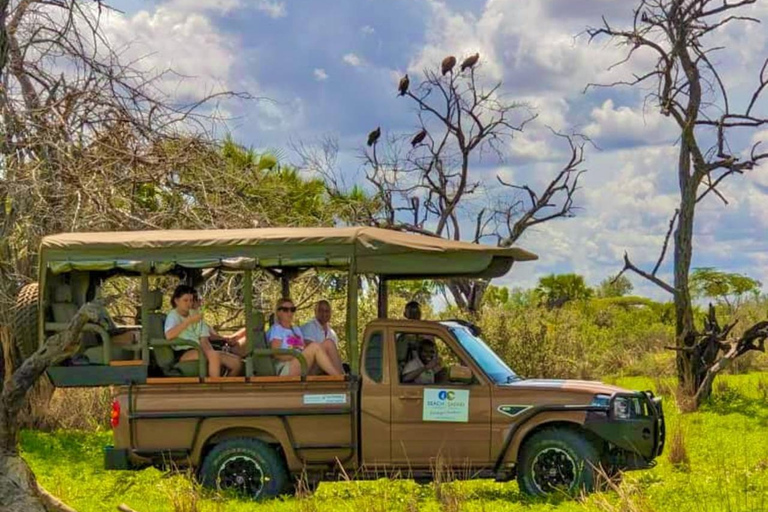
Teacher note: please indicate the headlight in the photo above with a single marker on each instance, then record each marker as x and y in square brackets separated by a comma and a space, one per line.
[621, 409]
[627, 407]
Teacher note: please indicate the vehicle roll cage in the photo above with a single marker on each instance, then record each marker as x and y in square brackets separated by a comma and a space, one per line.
[282, 252]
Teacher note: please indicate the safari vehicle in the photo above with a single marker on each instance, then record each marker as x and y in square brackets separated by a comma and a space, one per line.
[257, 433]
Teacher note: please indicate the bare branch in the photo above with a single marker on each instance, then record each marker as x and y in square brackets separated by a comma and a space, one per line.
[628, 265]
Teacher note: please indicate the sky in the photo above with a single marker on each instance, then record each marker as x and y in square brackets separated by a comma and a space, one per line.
[318, 68]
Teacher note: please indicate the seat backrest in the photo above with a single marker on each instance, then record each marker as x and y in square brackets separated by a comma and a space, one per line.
[62, 307]
[164, 356]
[405, 346]
[262, 366]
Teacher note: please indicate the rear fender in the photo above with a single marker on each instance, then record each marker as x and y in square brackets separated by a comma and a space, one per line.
[267, 429]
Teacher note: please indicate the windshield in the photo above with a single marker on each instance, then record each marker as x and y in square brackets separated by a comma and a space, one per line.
[491, 364]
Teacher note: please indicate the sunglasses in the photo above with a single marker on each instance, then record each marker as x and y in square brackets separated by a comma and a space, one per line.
[292, 309]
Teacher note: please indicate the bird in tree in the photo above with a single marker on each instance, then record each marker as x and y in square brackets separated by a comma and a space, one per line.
[419, 137]
[373, 137]
[404, 83]
[470, 61]
[447, 65]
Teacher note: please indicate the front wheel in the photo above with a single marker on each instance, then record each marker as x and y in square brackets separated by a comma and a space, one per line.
[249, 467]
[557, 461]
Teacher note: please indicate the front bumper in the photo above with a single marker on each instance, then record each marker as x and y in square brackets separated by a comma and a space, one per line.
[635, 441]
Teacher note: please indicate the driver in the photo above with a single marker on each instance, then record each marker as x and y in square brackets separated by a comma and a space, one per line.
[425, 367]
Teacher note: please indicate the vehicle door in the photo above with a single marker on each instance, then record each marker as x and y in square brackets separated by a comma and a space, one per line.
[375, 405]
[447, 419]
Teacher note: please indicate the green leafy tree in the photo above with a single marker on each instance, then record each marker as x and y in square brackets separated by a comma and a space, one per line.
[557, 289]
[421, 291]
[613, 286]
[496, 296]
[725, 287]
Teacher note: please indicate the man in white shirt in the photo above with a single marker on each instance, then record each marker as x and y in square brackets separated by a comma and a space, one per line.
[319, 330]
[425, 366]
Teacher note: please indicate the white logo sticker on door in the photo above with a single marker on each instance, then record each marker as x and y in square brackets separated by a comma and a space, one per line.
[328, 399]
[446, 405]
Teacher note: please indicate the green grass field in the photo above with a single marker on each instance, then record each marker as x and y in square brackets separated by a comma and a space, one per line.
[726, 442]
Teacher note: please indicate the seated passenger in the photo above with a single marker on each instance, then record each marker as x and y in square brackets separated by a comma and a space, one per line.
[184, 323]
[319, 330]
[284, 335]
[412, 311]
[425, 367]
[235, 344]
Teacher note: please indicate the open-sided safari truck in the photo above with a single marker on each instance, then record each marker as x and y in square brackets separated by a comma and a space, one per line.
[258, 432]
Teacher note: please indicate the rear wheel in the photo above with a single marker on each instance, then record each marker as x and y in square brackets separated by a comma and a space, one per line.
[557, 461]
[25, 320]
[249, 467]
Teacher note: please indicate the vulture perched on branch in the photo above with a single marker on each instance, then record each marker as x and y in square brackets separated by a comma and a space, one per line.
[403, 87]
[470, 61]
[373, 137]
[416, 140]
[447, 65]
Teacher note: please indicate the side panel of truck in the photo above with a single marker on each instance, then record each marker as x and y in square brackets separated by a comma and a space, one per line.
[313, 422]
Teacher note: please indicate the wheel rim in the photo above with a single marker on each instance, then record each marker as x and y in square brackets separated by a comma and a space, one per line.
[553, 468]
[243, 474]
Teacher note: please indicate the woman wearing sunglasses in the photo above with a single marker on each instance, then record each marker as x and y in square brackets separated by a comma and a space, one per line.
[287, 336]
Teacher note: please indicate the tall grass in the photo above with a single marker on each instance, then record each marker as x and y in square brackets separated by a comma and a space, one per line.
[725, 444]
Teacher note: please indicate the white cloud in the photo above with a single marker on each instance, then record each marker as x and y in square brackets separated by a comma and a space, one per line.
[221, 6]
[353, 60]
[272, 9]
[367, 30]
[320, 74]
[186, 42]
[626, 126]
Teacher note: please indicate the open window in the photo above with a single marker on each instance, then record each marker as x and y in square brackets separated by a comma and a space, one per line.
[424, 359]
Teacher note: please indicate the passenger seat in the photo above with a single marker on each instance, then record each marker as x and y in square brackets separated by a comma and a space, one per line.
[165, 356]
[262, 366]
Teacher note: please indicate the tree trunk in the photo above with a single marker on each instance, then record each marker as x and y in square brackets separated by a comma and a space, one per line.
[468, 293]
[691, 369]
[18, 488]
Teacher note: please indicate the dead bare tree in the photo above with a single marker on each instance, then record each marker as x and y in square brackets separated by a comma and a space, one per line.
[689, 88]
[425, 183]
[88, 142]
[19, 491]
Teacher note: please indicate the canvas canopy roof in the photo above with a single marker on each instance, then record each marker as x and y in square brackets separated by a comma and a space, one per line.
[368, 250]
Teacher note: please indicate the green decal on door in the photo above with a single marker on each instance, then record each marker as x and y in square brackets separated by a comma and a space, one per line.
[446, 405]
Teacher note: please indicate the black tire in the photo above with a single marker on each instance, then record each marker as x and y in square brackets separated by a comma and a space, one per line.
[248, 467]
[25, 320]
[557, 461]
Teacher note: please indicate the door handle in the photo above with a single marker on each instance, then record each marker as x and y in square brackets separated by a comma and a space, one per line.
[409, 397]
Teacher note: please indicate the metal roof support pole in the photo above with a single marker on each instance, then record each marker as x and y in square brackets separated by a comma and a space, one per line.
[249, 324]
[352, 292]
[285, 281]
[145, 318]
[383, 304]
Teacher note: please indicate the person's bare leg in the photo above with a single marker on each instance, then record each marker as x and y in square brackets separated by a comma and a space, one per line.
[232, 362]
[332, 350]
[214, 363]
[241, 348]
[294, 370]
[320, 358]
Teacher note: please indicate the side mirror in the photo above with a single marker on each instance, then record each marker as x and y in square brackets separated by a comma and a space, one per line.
[459, 373]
